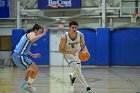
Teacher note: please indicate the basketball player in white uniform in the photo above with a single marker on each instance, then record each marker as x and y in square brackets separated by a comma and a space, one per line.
[21, 53]
[70, 45]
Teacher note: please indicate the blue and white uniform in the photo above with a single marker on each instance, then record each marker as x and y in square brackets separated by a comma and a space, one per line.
[73, 45]
[21, 51]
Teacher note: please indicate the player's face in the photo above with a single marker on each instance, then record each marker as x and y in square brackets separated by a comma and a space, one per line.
[73, 28]
[39, 32]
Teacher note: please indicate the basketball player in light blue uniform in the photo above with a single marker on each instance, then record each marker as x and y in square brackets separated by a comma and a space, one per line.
[70, 45]
[21, 59]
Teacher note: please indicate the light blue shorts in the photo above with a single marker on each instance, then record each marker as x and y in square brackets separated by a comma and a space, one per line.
[22, 61]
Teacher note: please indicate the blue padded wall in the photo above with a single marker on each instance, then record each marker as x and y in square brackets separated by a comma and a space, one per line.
[125, 47]
[103, 47]
[16, 35]
[42, 46]
[90, 40]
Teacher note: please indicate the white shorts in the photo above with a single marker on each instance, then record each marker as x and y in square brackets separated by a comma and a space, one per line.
[71, 58]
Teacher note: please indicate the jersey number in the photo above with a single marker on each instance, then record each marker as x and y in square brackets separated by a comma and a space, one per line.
[72, 45]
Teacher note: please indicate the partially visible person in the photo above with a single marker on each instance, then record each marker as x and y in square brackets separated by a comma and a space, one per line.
[70, 45]
[21, 56]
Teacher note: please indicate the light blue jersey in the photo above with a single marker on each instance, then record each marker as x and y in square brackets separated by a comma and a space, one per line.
[20, 55]
[23, 46]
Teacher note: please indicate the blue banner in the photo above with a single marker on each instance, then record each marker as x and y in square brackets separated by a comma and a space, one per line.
[59, 4]
[4, 9]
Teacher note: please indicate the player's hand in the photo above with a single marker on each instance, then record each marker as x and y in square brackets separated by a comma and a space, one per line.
[37, 55]
[44, 31]
[89, 54]
[87, 51]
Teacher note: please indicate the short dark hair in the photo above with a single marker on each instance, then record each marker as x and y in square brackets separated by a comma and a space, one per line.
[73, 23]
[37, 27]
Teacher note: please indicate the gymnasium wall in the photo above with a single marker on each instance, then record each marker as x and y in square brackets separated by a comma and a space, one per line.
[90, 41]
[125, 47]
[120, 47]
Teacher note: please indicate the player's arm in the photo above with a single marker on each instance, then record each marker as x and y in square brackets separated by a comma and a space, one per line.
[82, 42]
[34, 55]
[62, 46]
[32, 37]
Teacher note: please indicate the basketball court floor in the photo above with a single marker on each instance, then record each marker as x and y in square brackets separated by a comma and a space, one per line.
[56, 80]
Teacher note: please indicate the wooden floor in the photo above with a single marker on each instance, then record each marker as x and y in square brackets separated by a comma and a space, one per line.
[56, 80]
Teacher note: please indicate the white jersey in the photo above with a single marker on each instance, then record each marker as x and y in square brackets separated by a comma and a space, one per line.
[72, 45]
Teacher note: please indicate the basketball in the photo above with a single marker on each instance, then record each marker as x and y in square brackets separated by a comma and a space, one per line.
[84, 56]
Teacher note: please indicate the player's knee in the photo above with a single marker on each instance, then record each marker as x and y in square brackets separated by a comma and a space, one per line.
[35, 70]
[75, 66]
[29, 70]
[77, 70]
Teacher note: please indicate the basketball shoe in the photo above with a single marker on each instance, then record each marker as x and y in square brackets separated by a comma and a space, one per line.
[89, 90]
[72, 79]
[28, 87]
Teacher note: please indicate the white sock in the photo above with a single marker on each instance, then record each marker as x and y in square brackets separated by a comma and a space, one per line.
[30, 81]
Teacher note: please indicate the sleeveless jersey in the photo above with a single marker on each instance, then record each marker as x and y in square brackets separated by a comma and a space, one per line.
[72, 45]
[23, 47]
